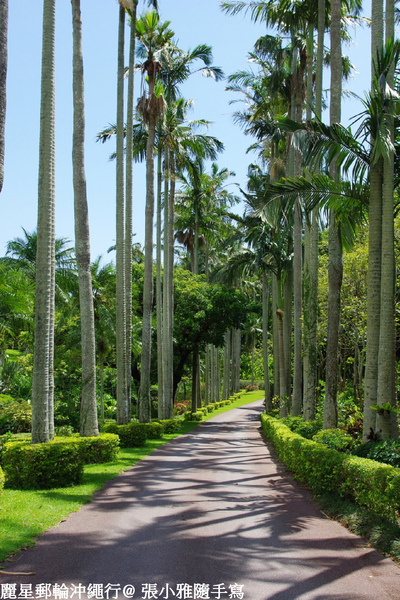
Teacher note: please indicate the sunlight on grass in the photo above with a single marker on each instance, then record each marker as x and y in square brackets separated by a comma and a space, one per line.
[25, 514]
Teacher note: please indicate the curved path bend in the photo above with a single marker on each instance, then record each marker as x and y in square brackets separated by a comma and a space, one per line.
[208, 515]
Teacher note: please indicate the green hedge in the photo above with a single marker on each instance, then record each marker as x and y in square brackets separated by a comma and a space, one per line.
[324, 470]
[194, 416]
[2, 478]
[100, 449]
[171, 425]
[42, 466]
[154, 430]
[132, 435]
[58, 463]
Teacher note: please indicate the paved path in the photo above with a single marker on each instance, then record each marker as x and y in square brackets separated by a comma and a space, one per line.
[210, 507]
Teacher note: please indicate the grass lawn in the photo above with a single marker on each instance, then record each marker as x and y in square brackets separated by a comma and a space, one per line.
[25, 514]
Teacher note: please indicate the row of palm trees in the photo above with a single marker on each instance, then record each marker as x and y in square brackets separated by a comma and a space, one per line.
[277, 238]
[161, 124]
[359, 173]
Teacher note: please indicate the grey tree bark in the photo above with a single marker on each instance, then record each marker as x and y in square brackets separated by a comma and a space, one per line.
[88, 424]
[144, 391]
[335, 266]
[386, 359]
[122, 412]
[265, 321]
[129, 212]
[374, 256]
[45, 263]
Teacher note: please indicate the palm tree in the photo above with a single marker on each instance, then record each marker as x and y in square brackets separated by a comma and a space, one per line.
[3, 76]
[387, 425]
[178, 142]
[131, 9]
[153, 35]
[88, 421]
[123, 415]
[335, 267]
[125, 307]
[44, 309]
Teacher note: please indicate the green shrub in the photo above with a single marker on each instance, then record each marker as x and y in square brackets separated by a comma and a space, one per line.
[180, 408]
[64, 430]
[154, 430]
[171, 425]
[306, 429]
[132, 435]
[15, 415]
[386, 451]
[42, 466]
[292, 422]
[314, 464]
[372, 484]
[337, 439]
[324, 470]
[309, 428]
[6, 437]
[98, 449]
[110, 427]
[194, 416]
[1, 480]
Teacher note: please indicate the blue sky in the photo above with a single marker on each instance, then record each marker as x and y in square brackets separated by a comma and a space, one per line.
[194, 22]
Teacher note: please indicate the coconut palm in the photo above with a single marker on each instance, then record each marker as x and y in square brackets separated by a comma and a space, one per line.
[3, 76]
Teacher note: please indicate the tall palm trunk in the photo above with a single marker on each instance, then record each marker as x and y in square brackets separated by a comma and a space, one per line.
[297, 258]
[122, 412]
[128, 213]
[159, 290]
[310, 278]
[168, 298]
[3, 77]
[374, 256]
[335, 267]
[275, 334]
[144, 392]
[265, 321]
[227, 366]
[88, 425]
[386, 363]
[45, 236]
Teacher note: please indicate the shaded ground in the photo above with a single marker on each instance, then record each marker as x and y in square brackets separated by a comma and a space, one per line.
[211, 507]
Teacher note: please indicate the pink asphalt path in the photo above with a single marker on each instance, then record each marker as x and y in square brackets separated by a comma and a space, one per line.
[211, 507]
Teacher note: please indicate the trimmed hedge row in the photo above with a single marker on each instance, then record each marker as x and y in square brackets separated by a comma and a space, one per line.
[130, 435]
[204, 410]
[58, 463]
[135, 434]
[366, 482]
[42, 466]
